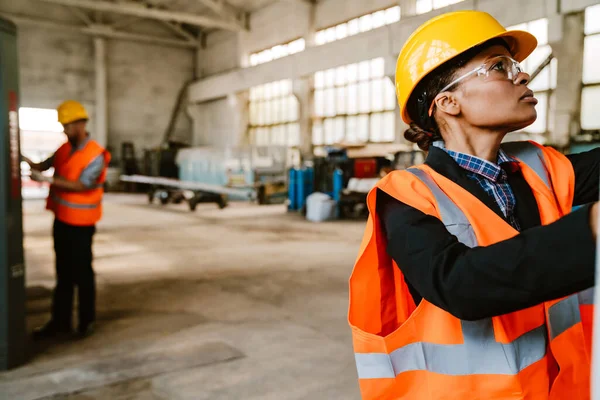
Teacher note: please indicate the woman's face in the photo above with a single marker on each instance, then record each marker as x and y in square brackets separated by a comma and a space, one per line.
[493, 102]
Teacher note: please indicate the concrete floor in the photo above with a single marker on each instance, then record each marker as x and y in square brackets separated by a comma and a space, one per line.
[243, 303]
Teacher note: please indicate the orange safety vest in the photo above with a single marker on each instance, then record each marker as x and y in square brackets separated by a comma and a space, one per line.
[422, 352]
[78, 208]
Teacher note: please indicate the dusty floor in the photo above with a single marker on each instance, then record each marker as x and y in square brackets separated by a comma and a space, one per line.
[243, 303]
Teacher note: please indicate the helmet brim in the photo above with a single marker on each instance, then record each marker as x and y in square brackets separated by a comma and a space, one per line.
[521, 43]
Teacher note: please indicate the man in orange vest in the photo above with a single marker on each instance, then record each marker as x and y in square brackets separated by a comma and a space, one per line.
[75, 198]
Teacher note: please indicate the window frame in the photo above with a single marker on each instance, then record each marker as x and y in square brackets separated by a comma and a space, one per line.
[549, 92]
[256, 54]
[319, 120]
[285, 123]
[583, 131]
[322, 31]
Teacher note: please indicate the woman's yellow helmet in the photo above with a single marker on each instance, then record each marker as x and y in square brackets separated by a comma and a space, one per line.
[446, 36]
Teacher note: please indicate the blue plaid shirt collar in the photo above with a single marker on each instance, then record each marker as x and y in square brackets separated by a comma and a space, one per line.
[479, 166]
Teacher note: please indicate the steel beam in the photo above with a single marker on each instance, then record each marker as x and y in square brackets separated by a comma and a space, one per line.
[97, 30]
[180, 31]
[222, 8]
[133, 9]
[101, 114]
[125, 21]
[81, 15]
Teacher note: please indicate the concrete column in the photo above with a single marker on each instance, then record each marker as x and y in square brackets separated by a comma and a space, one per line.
[240, 104]
[195, 112]
[302, 90]
[408, 7]
[311, 35]
[100, 133]
[566, 35]
[400, 126]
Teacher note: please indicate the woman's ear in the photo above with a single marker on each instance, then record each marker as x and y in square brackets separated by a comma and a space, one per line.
[448, 103]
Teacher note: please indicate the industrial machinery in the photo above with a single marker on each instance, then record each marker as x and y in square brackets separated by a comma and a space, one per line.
[174, 190]
[207, 174]
[12, 267]
[347, 174]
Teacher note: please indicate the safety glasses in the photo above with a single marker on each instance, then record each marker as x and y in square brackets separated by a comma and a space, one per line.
[497, 68]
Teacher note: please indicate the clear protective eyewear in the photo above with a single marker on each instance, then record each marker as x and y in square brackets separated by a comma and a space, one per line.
[497, 68]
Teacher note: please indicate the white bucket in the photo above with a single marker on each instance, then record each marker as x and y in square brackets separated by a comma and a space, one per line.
[320, 207]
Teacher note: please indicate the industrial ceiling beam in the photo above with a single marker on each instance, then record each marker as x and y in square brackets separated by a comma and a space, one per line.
[97, 30]
[133, 9]
[222, 9]
[179, 30]
[125, 21]
[81, 15]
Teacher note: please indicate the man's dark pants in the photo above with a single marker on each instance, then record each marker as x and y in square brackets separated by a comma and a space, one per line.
[73, 248]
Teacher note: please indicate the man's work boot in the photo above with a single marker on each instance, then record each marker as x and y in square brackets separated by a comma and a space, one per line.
[85, 330]
[50, 330]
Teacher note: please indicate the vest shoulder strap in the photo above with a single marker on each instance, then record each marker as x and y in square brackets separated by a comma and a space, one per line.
[455, 220]
[531, 155]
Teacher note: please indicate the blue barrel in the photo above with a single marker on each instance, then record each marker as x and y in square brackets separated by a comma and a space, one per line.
[338, 183]
[292, 191]
[301, 188]
[309, 181]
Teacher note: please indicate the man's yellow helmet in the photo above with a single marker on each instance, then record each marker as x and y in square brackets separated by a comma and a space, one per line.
[71, 111]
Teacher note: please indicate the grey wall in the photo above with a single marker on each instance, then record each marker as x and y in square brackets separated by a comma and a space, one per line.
[220, 54]
[143, 79]
[143, 84]
[54, 67]
[215, 123]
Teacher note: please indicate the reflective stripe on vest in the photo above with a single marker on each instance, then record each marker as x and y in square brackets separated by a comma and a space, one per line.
[586, 298]
[479, 354]
[530, 155]
[65, 203]
[563, 315]
[455, 220]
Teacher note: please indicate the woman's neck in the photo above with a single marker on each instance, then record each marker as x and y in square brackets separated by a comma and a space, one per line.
[479, 143]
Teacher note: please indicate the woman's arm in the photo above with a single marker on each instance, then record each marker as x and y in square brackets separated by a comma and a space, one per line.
[587, 176]
[540, 264]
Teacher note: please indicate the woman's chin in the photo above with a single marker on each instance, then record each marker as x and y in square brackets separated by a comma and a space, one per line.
[524, 123]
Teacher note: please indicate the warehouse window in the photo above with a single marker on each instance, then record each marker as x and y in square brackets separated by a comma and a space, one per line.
[358, 25]
[39, 119]
[279, 51]
[354, 104]
[545, 83]
[590, 95]
[274, 115]
[41, 133]
[425, 6]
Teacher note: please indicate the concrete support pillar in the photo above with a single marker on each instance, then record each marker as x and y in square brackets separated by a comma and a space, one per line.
[311, 34]
[566, 35]
[240, 103]
[100, 133]
[195, 112]
[303, 91]
[408, 7]
[400, 126]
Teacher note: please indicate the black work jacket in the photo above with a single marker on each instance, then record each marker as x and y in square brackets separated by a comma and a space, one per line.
[542, 263]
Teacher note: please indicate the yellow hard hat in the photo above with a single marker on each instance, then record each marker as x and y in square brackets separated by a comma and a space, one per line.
[71, 111]
[445, 37]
